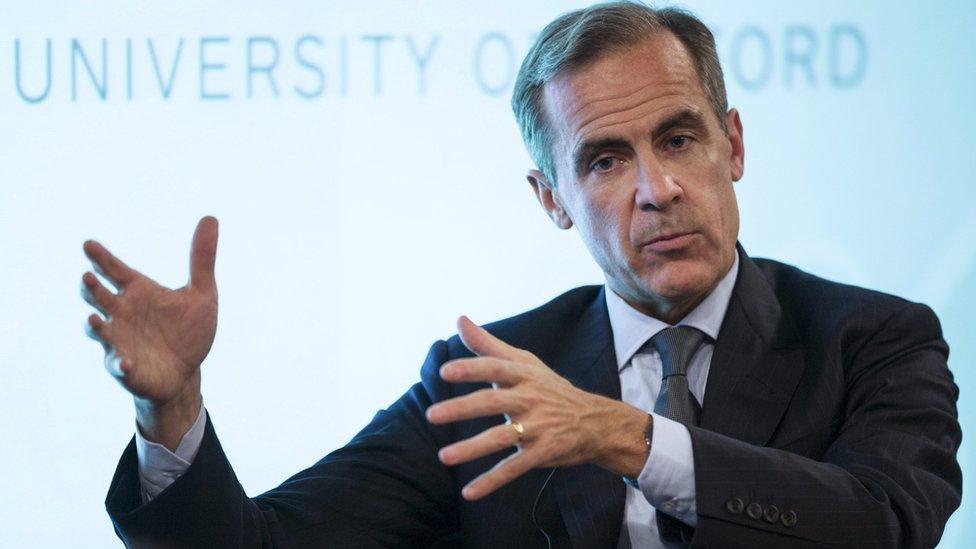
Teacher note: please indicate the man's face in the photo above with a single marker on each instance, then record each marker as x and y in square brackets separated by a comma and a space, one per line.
[645, 171]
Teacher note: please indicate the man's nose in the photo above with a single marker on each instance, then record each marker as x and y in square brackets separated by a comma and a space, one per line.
[657, 187]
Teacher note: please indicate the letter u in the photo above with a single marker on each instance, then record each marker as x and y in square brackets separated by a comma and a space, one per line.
[47, 84]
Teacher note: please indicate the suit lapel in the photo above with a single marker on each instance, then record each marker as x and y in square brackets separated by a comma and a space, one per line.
[590, 498]
[756, 363]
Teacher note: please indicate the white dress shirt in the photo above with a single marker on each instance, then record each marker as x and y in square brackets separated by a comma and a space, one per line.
[667, 481]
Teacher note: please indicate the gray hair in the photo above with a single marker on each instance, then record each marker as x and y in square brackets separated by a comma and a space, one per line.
[579, 37]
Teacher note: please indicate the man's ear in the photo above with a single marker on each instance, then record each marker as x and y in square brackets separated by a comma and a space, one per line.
[546, 193]
[737, 162]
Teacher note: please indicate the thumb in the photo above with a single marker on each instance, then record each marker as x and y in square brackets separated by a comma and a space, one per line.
[482, 343]
[203, 254]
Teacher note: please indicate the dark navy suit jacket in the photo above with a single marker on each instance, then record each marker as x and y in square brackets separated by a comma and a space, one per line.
[829, 418]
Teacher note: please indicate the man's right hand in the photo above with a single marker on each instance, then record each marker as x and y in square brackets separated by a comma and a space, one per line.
[155, 338]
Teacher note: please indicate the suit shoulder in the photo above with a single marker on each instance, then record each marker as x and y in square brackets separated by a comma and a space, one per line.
[819, 305]
[793, 284]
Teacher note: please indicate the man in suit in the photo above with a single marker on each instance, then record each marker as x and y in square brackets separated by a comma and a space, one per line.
[701, 397]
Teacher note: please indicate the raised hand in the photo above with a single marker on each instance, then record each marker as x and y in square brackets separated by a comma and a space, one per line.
[155, 338]
[561, 424]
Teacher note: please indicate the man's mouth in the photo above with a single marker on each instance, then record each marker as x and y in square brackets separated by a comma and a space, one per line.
[670, 242]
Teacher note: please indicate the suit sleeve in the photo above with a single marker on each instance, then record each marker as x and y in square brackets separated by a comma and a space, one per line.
[889, 479]
[385, 488]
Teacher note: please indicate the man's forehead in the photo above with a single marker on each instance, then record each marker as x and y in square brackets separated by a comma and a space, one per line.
[656, 70]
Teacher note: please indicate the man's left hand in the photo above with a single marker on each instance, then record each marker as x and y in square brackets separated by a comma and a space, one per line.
[562, 425]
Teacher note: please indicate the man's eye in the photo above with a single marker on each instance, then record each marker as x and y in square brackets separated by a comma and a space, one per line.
[678, 141]
[604, 164]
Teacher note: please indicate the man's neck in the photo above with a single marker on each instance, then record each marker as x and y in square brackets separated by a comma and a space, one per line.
[672, 311]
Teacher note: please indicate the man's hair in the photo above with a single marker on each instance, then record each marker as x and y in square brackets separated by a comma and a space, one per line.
[580, 37]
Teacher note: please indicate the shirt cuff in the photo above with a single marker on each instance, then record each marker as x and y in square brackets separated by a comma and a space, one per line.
[668, 477]
[158, 467]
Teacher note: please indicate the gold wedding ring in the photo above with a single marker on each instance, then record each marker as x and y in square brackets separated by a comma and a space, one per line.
[519, 430]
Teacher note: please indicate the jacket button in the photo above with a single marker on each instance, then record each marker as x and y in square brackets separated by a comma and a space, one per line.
[771, 513]
[754, 510]
[735, 505]
[788, 518]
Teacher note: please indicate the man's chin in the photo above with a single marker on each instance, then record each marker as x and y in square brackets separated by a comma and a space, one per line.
[678, 281]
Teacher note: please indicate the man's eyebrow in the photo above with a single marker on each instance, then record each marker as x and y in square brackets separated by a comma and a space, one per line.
[587, 149]
[685, 118]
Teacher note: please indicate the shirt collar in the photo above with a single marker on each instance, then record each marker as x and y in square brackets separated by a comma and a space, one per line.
[632, 328]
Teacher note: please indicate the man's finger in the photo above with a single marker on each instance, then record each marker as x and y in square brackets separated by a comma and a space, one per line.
[97, 295]
[502, 473]
[94, 327]
[486, 442]
[503, 373]
[482, 343]
[485, 402]
[106, 264]
[203, 254]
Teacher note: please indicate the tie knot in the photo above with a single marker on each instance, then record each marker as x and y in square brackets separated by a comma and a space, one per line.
[676, 346]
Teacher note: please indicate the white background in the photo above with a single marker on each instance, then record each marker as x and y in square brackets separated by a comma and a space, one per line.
[356, 226]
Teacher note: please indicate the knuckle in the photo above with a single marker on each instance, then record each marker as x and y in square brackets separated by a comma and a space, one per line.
[490, 483]
[495, 369]
[493, 398]
[520, 406]
[519, 467]
[509, 437]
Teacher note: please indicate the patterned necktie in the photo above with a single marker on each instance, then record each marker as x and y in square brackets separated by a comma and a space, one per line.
[677, 346]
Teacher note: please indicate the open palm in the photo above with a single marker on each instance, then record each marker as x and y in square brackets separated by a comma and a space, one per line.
[154, 338]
